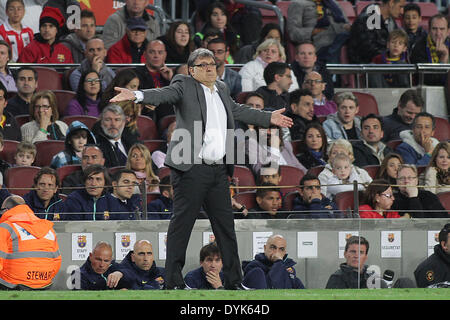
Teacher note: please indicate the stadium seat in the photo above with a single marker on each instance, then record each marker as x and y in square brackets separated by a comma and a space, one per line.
[113, 170]
[442, 131]
[348, 9]
[360, 5]
[66, 79]
[290, 176]
[64, 171]
[268, 16]
[247, 198]
[48, 79]
[22, 119]
[163, 171]
[322, 118]
[164, 122]
[9, 149]
[427, 10]
[288, 200]
[153, 145]
[347, 80]
[62, 98]
[444, 198]
[45, 150]
[89, 121]
[242, 96]
[345, 200]
[372, 170]
[367, 103]
[420, 170]
[315, 170]
[393, 143]
[296, 146]
[152, 196]
[147, 128]
[20, 177]
[243, 177]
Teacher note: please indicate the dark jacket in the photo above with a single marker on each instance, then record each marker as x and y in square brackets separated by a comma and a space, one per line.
[363, 154]
[424, 201]
[146, 82]
[322, 70]
[413, 38]
[322, 209]
[138, 279]
[435, 269]
[278, 275]
[307, 159]
[80, 201]
[111, 159]
[346, 277]
[75, 179]
[10, 129]
[298, 128]
[17, 106]
[365, 43]
[163, 204]
[128, 208]
[274, 100]
[3, 168]
[393, 125]
[258, 213]
[91, 280]
[196, 279]
[53, 210]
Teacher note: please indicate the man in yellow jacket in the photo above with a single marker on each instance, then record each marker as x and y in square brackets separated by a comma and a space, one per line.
[29, 252]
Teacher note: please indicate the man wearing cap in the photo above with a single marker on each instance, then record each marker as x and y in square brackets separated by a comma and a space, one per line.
[45, 48]
[115, 25]
[130, 49]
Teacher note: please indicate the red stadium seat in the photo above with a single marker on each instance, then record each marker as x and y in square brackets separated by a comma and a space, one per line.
[113, 170]
[22, 119]
[360, 5]
[20, 177]
[242, 96]
[296, 146]
[322, 118]
[45, 150]
[442, 131]
[290, 176]
[243, 177]
[62, 98]
[247, 198]
[9, 149]
[315, 170]
[89, 121]
[345, 200]
[165, 122]
[348, 9]
[152, 196]
[347, 80]
[48, 79]
[393, 144]
[66, 79]
[64, 171]
[367, 103]
[153, 145]
[268, 16]
[372, 170]
[147, 128]
[163, 171]
[444, 198]
[288, 200]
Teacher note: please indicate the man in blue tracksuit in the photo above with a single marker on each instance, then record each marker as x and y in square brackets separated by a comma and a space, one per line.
[209, 275]
[139, 269]
[44, 200]
[271, 269]
[91, 202]
[94, 273]
[164, 203]
[123, 203]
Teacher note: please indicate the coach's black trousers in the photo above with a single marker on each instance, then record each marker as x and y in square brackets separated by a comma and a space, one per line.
[205, 185]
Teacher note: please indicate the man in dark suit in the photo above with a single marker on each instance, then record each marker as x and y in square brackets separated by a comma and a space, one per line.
[204, 111]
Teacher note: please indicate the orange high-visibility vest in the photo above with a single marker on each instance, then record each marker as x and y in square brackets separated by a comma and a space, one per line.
[29, 252]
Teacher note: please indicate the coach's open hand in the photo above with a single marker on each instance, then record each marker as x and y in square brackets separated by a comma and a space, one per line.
[124, 95]
[280, 120]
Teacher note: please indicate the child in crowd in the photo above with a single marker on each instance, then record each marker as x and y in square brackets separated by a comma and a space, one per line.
[411, 22]
[396, 53]
[77, 136]
[13, 31]
[25, 154]
[343, 176]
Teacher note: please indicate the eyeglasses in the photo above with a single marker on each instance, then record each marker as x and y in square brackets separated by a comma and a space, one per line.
[92, 80]
[312, 187]
[205, 65]
[45, 107]
[313, 81]
[405, 178]
[387, 195]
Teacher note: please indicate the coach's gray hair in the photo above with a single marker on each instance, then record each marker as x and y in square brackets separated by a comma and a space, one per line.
[199, 53]
[114, 108]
